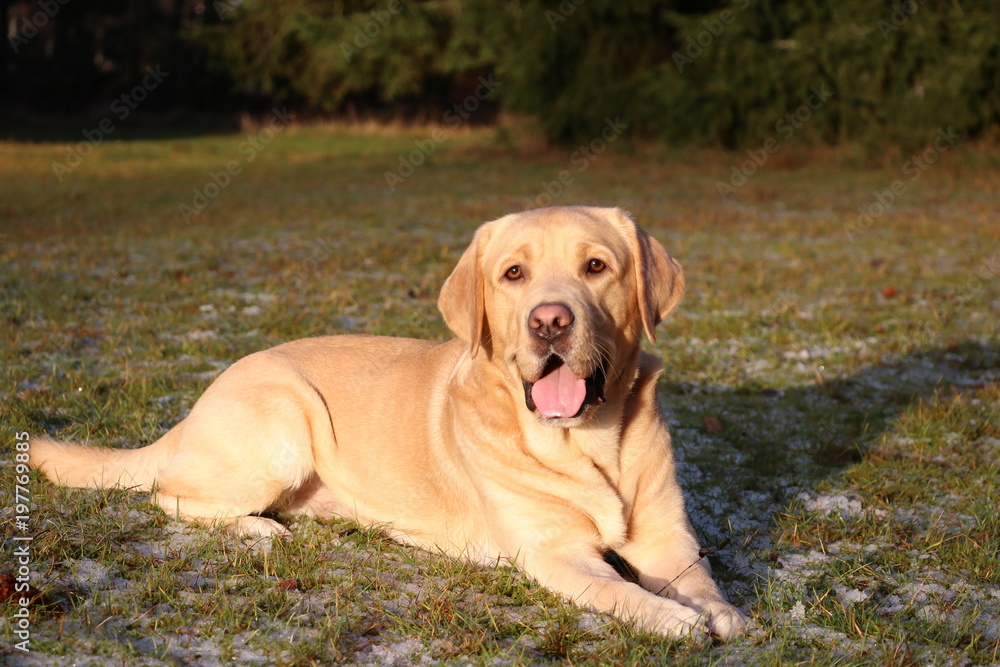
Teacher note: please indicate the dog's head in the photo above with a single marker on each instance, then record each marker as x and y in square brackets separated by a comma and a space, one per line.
[560, 297]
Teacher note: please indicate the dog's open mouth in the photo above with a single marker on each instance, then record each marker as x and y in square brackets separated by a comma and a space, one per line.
[561, 393]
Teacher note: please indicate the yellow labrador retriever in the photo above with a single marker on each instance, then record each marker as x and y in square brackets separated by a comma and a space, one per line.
[535, 436]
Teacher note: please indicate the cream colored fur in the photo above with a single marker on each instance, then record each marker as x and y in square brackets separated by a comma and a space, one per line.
[436, 442]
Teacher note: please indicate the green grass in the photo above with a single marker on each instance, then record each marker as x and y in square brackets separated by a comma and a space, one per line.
[834, 401]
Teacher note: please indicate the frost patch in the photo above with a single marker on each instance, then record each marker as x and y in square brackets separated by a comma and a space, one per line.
[848, 508]
[850, 596]
[990, 449]
[402, 653]
[205, 334]
[90, 574]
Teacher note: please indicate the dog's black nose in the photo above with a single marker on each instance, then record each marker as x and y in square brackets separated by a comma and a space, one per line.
[549, 320]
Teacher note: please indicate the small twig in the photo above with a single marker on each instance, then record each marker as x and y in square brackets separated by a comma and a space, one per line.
[704, 551]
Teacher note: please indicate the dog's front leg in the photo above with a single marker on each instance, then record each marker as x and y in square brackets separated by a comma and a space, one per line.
[664, 552]
[670, 565]
[661, 546]
[583, 575]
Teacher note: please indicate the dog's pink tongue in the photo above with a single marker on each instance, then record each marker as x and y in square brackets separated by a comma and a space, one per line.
[560, 393]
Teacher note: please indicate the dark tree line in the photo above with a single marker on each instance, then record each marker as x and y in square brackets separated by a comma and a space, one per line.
[735, 73]
[74, 57]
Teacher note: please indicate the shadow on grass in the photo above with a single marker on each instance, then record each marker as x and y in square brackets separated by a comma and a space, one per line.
[774, 444]
[826, 426]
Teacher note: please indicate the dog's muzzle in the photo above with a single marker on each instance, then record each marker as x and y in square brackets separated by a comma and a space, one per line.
[560, 393]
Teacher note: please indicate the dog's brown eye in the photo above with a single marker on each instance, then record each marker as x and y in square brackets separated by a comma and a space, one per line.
[596, 266]
[514, 273]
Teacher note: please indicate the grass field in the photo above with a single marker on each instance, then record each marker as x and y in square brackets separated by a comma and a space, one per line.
[833, 383]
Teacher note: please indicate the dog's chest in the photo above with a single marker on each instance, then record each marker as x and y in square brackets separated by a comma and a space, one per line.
[589, 474]
[604, 504]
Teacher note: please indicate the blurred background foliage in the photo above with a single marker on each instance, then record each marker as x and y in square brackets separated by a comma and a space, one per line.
[684, 72]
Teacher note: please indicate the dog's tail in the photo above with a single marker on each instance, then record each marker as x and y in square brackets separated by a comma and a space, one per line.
[85, 467]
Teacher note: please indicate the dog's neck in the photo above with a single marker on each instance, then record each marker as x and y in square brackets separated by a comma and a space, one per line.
[596, 439]
[586, 456]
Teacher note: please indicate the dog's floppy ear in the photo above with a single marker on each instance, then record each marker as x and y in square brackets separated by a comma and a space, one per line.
[462, 301]
[659, 278]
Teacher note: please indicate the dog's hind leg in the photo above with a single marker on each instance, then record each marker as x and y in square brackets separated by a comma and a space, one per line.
[212, 514]
[239, 455]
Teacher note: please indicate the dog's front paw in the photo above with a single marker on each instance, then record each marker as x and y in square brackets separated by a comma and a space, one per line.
[670, 618]
[724, 620]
